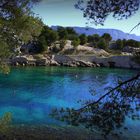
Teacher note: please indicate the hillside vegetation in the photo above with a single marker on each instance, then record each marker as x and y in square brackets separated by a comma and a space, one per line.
[67, 41]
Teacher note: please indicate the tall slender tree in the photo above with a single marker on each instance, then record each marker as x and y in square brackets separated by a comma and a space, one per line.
[17, 25]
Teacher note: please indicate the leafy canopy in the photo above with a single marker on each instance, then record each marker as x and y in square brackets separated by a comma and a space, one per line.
[96, 11]
[17, 22]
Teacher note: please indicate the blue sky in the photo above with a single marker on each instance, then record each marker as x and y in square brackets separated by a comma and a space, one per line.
[63, 13]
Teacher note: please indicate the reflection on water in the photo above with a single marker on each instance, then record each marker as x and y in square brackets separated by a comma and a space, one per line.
[31, 93]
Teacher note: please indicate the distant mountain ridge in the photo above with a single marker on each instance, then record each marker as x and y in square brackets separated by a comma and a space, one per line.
[116, 34]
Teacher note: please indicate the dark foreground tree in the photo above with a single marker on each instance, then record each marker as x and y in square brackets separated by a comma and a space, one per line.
[97, 11]
[14, 16]
[18, 25]
[107, 113]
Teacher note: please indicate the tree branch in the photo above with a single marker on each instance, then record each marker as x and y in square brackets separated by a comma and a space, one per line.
[135, 27]
[102, 97]
[4, 4]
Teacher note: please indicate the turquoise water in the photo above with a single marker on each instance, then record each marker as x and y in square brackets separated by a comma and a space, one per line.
[31, 93]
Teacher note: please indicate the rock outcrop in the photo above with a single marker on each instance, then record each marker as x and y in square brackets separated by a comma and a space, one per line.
[86, 50]
[130, 49]
[77, 61]
[19, 60]
[112, 61]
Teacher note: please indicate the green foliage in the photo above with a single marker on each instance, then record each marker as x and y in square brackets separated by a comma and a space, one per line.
[97, 11]
[5, 123]
[76, 41]
[66, 33]
[83, 39]
[18, 19]
[119, 44]
[4, 53]
[89, 38]
[124, 42]
[62, 44]
[62, 32]
[94, 39]
[132, 43]
[4, 49]
[40, 46]
[70, 31]
[50, 35]
[107, 37]
[45, 39]
[17, 23]
[102, 44]
[31, 29]
[72, 37]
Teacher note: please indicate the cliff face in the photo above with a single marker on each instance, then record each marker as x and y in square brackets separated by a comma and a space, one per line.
[112, 61]
[77, 61]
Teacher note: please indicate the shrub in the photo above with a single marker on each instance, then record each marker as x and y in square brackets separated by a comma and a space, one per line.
[96, 38]
[70, 31]
[49, 36]
[5, 123]
[102, 44]
[93, 39]
[62, 32]
[4, 49]
[107, 37]
[83, 39]
[132, 43]
[62, 44]
[119, 44]
[76, 42]
[41, 45]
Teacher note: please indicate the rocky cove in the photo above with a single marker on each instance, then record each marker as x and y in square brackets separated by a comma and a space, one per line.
[124, 61]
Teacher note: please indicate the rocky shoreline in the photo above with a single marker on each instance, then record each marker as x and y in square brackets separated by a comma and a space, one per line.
[75, 61]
